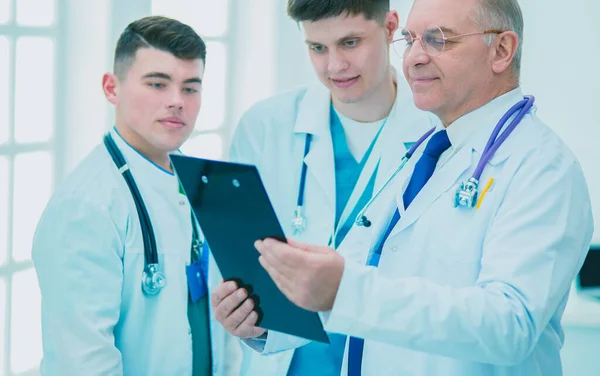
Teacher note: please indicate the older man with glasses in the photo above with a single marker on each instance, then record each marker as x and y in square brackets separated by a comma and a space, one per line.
[459, 281]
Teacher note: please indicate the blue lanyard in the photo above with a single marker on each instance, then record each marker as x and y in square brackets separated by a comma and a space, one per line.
[198, 253]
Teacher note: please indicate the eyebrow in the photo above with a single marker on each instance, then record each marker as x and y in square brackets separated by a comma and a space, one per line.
[167, 77]
[447, 30]
[351, 35]
[444, 29]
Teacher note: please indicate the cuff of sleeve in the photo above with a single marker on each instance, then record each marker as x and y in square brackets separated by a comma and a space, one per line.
[347, 304]
[255, 344]
[274, 343]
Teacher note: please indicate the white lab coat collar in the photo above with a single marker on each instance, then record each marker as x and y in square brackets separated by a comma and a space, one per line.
[144, 170]
[313, 106]
[317, 101]
[471, 133]
[480, 122]
[314, 118]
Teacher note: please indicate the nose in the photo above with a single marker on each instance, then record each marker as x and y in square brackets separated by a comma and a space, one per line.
[337, 61]
[416, 54]
[176, 99]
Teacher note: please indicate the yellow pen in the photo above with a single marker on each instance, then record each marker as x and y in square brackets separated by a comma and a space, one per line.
[487, 187]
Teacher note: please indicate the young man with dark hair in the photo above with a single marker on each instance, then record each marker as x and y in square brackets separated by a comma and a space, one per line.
[107, 307]
[336, 135]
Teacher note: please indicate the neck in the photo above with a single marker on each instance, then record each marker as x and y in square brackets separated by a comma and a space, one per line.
[477, 102]
[375, 106]
[137, 142]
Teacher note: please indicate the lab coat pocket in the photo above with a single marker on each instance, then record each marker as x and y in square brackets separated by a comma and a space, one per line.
[459, 234]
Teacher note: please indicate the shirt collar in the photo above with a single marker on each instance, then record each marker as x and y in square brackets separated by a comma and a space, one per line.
[481, 120]
[144, 170]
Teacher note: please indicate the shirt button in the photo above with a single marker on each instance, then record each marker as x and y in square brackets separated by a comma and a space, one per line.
[189, 331]
[181, 203]
[394, 248]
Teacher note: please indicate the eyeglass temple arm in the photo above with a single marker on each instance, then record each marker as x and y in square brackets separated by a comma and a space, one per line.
[479, 32]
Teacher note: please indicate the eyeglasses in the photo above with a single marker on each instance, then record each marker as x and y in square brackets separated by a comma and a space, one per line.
[432, 40]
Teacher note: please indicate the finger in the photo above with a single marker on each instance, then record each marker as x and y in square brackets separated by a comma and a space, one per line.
[248, 328]
[229, 304]
[281, 280]
[237, 317]
[281, 254]
[308, 247]
[223, 290]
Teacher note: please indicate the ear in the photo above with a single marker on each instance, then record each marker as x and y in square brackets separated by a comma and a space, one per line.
[110, 86]
[391, 24]
[505, 48]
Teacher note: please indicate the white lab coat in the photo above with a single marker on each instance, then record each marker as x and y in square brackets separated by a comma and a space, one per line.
[271, 135]
[464, 292]
[89, 256]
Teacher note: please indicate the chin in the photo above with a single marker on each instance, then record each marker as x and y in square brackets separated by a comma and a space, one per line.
[346, 96]
[424, 102]
[171, 144]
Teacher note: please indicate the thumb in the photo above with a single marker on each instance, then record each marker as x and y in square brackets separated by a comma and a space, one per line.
[308, 247]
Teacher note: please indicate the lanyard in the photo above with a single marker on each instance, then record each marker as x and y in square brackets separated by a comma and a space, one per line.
[199, 249]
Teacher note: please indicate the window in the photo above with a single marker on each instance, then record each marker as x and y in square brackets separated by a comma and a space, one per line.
[210, 19]
[28, 33]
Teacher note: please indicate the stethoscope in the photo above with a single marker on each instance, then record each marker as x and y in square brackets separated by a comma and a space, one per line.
[467, 192]
[153, 280]
[298, 221]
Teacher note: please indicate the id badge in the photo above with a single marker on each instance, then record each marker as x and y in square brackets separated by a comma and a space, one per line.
[196, 281]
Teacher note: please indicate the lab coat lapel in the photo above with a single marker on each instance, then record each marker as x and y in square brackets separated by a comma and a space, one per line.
[443, 179]
[313, 118]
[383, 207]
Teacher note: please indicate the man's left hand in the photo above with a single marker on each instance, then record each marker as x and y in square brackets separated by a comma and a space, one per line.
[308, 275]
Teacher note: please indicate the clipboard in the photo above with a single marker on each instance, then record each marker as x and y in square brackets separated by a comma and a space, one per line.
[234, 210]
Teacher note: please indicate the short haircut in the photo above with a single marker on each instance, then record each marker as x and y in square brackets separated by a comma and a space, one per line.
[161, 33]
[315, 10]
[505, 15]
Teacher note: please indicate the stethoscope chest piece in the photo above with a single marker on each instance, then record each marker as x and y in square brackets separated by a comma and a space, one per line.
[466, 194]
[153, 280]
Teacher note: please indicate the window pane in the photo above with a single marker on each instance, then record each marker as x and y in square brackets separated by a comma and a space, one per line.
[34, 88]
[35, 12]
[208, 17]
[4, 18]
[32, 189]
[26, 326]
[3, 311]
[208, 146]
[212, 113]
[4, 184]
[4, 87]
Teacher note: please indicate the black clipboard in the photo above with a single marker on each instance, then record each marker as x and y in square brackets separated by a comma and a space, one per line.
[234, 210]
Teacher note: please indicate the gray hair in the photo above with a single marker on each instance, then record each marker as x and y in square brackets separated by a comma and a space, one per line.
[503, 15]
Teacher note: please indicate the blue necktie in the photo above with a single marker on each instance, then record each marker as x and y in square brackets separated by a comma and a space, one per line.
[424, 168]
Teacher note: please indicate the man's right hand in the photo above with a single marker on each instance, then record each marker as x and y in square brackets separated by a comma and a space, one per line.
[237, 318]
